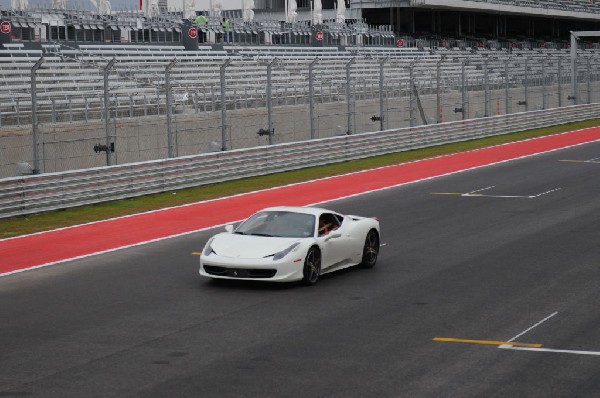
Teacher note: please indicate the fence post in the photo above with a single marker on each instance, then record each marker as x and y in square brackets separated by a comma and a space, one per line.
[589, 78]
[506, 87]
[348, 96]
[464, 63]
[224, 106]
[311, 96]
[381, 85]
[169, 100]
[34, 119]
[559, 77]
[544, 105]
[106, 72]
[438, 84]
[527, 83]
[269, 99]
[574, 68]
[486, 88]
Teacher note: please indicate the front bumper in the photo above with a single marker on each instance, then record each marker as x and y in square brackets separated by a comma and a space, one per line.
[262, 269]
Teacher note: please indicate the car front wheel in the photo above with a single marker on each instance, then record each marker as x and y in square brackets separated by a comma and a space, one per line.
[370, 250]
[312, 266]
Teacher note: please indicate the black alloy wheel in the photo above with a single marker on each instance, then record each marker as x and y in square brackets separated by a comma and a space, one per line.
[370, 250]
[312, 266]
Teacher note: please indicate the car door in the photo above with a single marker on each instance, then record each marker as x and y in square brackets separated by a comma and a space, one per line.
[334, 248]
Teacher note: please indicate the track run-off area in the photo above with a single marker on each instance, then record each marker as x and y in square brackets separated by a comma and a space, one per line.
[487, 286]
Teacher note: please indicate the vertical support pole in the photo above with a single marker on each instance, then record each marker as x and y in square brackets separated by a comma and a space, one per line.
[311, 96]
[411, 95]
[486, 88]
[169, 100]
[34, 118]
[544, 104]
[589, 79]
[506, 88]
[270, 99]
[574, 67]
[464, 89]
[43, 150]
[106, 72]
[527, 83]
[438, 77]
[559, 77]
[381, 86]
[348, 96]
[224, 106]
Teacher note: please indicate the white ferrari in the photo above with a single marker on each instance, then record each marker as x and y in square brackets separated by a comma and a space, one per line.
[284, 244]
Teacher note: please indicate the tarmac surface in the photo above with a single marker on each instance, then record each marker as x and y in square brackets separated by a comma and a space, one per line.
[487, 286]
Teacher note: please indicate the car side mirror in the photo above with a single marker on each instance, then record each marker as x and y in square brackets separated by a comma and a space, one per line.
[229, 228]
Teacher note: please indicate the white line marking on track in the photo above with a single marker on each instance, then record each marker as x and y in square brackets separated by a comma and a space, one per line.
[533, 327]
[511, 347]
[545, 193]
[480, 190]
[507, 196]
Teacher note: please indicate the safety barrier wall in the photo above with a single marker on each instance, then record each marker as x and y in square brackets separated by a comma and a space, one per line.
[37, 193]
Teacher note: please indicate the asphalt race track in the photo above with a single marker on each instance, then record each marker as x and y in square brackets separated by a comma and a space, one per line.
[488, 286]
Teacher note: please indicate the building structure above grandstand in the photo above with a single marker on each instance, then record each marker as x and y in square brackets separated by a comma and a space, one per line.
[498, 23]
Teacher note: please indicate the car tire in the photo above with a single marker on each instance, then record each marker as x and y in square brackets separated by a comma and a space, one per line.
[370, 250]
[312, 266]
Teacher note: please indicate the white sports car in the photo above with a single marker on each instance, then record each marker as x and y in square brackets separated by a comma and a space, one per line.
[284, 244]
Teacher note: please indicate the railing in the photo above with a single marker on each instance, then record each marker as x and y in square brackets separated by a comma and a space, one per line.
[36, 193]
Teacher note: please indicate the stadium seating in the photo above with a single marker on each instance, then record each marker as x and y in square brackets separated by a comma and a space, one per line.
[70, 83]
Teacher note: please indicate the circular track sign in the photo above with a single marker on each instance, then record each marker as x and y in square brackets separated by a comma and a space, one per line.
[193, 33]
[5, 27]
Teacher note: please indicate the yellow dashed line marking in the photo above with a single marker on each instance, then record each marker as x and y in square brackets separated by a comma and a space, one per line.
[486, 342]
[196, 253]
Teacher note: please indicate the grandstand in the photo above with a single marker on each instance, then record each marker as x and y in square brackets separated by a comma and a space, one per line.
[71, 79]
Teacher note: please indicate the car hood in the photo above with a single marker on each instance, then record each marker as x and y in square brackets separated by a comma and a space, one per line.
[248, 246]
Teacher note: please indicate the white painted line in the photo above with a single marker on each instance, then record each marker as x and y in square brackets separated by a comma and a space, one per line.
[534, 326]
[594, 159]
[479, 190]
[510, 347]
[473, 194]
[545, 193]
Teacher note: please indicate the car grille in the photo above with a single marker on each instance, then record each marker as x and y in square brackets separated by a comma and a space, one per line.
[239, 272]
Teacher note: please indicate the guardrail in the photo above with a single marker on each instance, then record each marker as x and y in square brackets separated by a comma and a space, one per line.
[37, 193]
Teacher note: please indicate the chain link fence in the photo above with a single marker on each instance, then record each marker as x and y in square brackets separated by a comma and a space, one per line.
[81, 114]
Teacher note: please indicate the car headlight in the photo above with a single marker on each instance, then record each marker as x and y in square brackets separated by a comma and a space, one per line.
[285, 252]
[208, 248]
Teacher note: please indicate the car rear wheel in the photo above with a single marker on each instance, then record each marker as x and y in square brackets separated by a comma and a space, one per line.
[370, 250]
[312, 266]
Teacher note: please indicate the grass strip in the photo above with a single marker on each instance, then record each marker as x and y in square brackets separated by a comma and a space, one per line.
[21, 225]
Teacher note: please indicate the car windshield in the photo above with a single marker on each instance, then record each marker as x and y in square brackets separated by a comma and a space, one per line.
[283, 224]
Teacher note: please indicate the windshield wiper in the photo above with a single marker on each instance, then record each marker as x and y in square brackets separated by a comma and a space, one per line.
[258, 234]
[239, 233]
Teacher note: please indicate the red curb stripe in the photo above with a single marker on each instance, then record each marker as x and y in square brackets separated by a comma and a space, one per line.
[59, 245]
